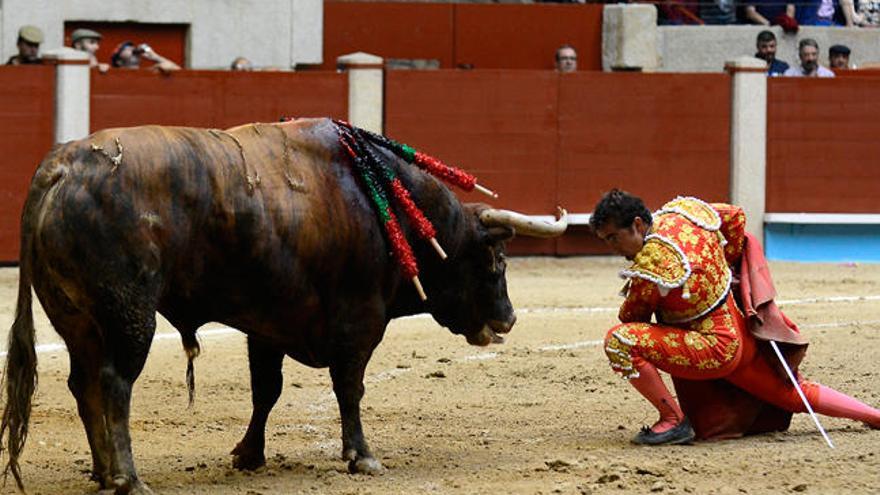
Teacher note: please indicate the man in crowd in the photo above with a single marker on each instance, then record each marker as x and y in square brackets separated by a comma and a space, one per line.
[766, 44]
[128, 56]
[838, 57]
[89, 41]
[29, 39]
[808, 52]
[771, 12]
[241, 64]
[566, 59]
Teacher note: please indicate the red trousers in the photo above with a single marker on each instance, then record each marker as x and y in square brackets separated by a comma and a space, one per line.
[714, 346]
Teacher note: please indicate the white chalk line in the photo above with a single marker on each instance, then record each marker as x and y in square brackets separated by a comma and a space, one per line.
[223, 330]
[320, 408]
[837, 324]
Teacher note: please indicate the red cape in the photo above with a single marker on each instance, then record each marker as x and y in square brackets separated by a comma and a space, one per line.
[716, 408]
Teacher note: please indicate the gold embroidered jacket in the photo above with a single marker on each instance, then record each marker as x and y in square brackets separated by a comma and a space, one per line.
[682, 273]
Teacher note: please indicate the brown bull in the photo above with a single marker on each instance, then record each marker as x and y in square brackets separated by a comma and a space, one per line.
[263, 228]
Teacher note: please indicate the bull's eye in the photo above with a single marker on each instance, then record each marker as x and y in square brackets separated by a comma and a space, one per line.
[498, 264]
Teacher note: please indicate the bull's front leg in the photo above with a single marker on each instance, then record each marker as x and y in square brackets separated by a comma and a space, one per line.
[347, 372]
[265, 362]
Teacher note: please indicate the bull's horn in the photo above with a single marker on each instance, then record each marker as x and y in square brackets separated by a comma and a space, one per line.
[524, 224]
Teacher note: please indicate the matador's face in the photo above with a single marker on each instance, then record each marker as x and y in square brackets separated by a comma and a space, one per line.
[625, 241]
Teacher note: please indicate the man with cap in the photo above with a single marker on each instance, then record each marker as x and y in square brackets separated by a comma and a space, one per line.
[29, 39]
[89, 41]
[838, 57]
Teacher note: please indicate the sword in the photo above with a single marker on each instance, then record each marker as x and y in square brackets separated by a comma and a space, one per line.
[800, 392]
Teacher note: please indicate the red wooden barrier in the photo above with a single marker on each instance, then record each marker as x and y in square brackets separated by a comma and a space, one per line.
[822, 145]
[27, 116]
[540, 138]
[484, 36]
[390, 30]
[498, 125]
[527, 36]
[217, 99]
[655, 135]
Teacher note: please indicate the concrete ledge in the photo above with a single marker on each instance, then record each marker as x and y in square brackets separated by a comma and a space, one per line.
[706, 48]
[629, 37]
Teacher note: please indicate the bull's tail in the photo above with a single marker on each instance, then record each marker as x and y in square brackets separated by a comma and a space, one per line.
[20, 375]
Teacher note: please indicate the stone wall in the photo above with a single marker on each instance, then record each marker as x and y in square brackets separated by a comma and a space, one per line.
[278, 33]
[632, 40]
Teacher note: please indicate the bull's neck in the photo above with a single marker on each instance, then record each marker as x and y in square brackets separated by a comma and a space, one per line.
[450, 220]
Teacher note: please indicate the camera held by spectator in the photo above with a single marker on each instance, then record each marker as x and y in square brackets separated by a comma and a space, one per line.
[128, 55]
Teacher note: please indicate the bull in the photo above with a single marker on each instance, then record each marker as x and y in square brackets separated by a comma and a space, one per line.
[263, 228]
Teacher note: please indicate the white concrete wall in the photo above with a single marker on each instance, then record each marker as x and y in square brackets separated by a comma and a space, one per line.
[72, 89]
[629, 37]
[278, 33]
[748, 138]
[366, 96]
[706, 48]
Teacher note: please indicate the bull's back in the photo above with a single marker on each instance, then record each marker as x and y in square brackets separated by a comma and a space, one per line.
[218, 216]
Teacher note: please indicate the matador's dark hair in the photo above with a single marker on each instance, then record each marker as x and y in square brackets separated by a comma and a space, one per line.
[620, 208]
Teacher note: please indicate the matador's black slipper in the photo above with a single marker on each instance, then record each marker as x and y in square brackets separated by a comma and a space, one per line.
[681, 433]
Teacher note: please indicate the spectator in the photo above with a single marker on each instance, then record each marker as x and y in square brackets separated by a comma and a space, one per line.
[678, 12]
[771, 12]
[128, 56]
[86, 40]
[718, 11]
[241, 64]
[827, 13]
[838, 57]
[766, 44]
[29, 39]
[848, 16]
[566, 59]
[868, 14]
[808, 52]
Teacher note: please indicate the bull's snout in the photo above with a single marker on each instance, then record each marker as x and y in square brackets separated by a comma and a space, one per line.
[489, 334]
[503, 326]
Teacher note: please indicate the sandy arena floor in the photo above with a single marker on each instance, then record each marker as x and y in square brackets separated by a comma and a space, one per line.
[541, 413]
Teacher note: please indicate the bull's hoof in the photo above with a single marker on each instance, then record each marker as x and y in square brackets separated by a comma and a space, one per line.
[245, 459]
[365, 465]
[123, 485]
[104, 480]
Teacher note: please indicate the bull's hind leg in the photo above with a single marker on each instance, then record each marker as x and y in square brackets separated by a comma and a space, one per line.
[84, 384]
[266, 381]
[127, 327]
[85, 350]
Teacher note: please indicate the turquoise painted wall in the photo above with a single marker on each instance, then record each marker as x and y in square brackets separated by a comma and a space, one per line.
[818, 242]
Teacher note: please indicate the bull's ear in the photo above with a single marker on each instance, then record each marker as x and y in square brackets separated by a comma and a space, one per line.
[500, 233]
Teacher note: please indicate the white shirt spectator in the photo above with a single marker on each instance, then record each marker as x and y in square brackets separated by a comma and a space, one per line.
[798, 71]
